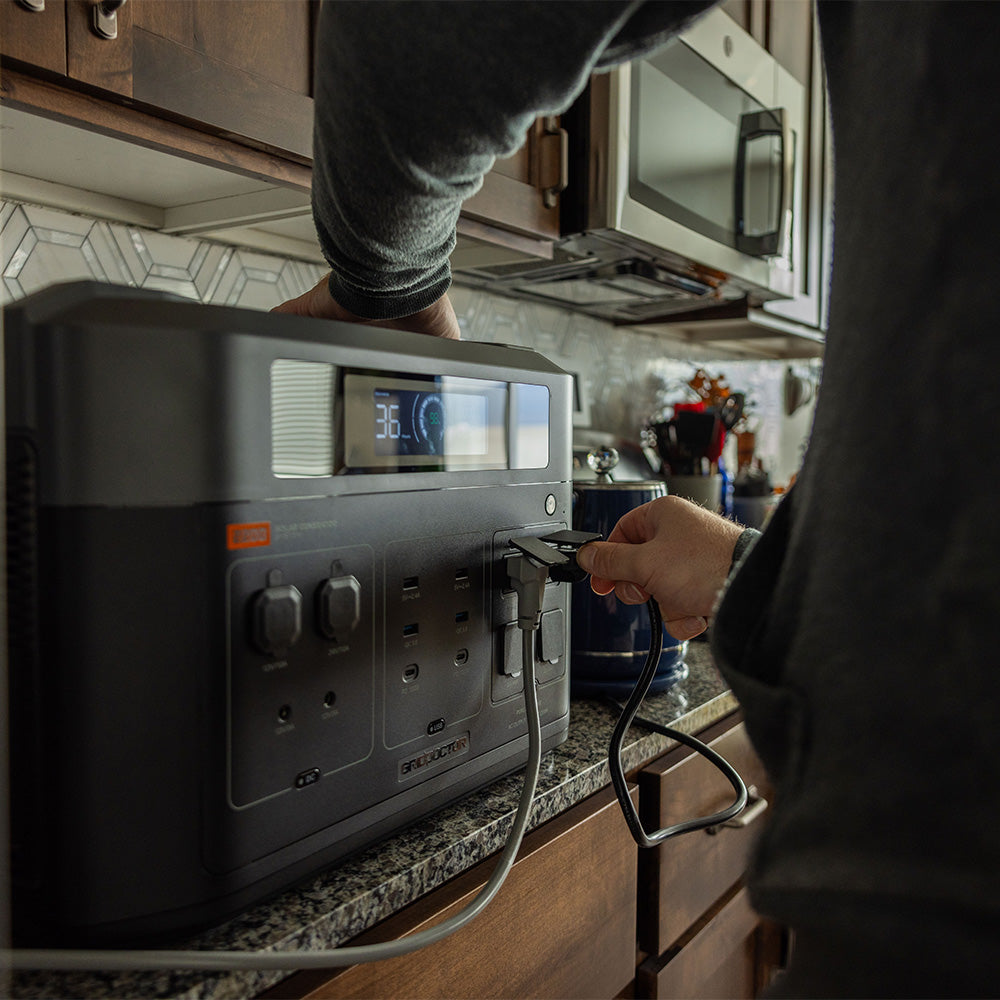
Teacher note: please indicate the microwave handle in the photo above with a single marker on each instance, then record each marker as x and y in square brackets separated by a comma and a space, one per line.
[755, 125]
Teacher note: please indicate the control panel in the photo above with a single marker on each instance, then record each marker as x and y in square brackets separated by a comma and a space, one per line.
[344, 655]
[301, 668]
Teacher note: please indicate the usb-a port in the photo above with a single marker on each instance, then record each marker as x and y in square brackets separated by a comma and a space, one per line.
[461, 616]
[462, 575]
[411, 582]
[409, 630]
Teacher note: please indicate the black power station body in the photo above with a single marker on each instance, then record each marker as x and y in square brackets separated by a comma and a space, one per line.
[259, 615]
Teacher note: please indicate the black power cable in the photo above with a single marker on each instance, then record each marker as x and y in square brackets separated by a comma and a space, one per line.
[629, 714]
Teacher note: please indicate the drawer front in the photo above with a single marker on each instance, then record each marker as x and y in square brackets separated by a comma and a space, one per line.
[563, 925]
[719, 961]
[682, 878]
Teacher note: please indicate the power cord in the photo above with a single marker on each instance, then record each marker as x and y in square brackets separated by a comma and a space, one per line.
[629, 715]
[528, 573]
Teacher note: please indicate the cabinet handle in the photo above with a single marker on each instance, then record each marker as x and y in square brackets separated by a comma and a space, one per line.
[550, 195]
[105, 22]
[35, 6]
[756, 808]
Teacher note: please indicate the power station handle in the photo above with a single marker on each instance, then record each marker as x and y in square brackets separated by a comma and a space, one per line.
[105, 22]
[35, 6]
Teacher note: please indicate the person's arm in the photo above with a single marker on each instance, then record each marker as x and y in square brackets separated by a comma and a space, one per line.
[674, 551]
[414, 103]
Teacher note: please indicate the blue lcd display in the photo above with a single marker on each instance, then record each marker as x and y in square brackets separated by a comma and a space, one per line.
[443, 423]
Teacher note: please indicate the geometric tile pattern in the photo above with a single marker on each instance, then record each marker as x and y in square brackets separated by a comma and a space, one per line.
[39, 246]
[624, 377]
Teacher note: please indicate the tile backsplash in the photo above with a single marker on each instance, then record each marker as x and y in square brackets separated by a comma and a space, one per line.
[623, 376]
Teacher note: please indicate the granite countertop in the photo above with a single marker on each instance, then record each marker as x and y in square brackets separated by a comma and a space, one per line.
[357, 893]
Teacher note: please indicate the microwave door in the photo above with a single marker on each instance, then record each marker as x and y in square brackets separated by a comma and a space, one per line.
[685, 137]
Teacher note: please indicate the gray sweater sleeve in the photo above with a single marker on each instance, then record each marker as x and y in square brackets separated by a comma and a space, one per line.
[414, 103]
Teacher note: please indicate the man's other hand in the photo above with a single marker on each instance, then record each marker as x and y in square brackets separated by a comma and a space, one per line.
[437, 320]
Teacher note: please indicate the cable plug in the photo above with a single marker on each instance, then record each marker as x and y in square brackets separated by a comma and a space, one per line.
[528, 573]
[552, 555]
[569, 543]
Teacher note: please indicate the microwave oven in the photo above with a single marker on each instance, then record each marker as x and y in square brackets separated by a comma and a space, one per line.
[684, 185]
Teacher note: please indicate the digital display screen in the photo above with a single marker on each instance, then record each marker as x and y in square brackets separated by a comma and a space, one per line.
[369, 421]
[442, 423]
[413, 422]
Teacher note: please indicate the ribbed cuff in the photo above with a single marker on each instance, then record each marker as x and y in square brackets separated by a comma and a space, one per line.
[743, 545]
[388, 305]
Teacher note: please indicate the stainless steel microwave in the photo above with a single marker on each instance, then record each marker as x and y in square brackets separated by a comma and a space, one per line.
[685, 183]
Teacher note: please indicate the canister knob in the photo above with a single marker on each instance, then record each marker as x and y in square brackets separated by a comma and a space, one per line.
[602, 461]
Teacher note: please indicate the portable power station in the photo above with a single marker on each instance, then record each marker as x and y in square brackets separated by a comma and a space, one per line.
[258, 611]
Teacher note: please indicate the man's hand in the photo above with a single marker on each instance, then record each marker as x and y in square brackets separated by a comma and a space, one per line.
[670, 549]
[437, 320]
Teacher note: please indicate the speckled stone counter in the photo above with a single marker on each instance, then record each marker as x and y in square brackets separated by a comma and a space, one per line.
[368, 887]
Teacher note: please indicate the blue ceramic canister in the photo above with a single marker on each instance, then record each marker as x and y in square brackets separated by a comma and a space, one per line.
[610, 640]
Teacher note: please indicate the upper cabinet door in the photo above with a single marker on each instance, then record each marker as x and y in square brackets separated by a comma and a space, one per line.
[34, 32]
[242, 68]
[521, 193]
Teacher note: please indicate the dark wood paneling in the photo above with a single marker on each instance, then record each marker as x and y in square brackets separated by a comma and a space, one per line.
[35, 37]
[512, 192]
[513, 205]
[270, 39]
[173, 19]
[562, 926]
[186, 83]
[99, 62]
[28, 93]
[717, 962]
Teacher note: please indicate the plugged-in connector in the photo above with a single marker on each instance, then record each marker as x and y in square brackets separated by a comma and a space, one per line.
[527, 577]
[569, 543]
[540, 556]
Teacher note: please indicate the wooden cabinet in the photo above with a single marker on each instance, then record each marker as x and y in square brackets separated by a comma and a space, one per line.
[563, 925]
[783, 27]
[522, 191]
[34, 34]
[695, 921]
[566, 923]
[226, 84]
[730, 953]
[243, 70]
[239, 69]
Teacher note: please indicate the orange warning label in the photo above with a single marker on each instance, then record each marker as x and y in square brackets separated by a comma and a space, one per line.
[248, 536]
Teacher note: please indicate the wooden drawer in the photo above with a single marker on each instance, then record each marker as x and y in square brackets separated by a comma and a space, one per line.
[684, 877]
[731, 954]
[563, 925]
